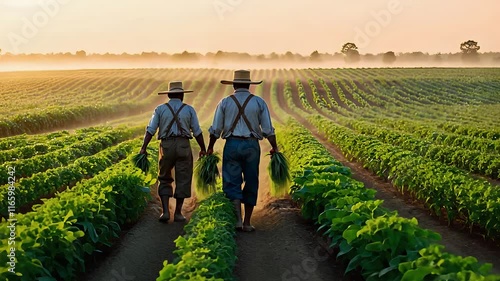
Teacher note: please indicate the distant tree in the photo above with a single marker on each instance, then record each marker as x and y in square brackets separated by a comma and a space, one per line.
[350, 51]
[315, 56]
[369, 57]
[438, 57]
[469, 51]
[349, 47]
[81, 54]
[389, 57]
[274, 56]
[220, 54]
[289, 55]
[469, 47]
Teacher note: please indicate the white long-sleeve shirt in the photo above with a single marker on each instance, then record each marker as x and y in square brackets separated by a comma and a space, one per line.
[162, 116]
[256, 111]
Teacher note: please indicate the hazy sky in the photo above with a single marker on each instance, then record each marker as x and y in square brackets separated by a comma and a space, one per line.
[253, 26]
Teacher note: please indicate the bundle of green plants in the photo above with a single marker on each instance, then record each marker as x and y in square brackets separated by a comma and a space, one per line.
[279, 172]
[141, 161]
[206, 174]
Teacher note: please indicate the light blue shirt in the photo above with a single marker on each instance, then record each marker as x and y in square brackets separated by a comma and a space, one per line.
[256, 111]
[162, 116]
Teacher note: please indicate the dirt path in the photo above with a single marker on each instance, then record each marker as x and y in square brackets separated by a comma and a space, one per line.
[456, 241]
[140, 252]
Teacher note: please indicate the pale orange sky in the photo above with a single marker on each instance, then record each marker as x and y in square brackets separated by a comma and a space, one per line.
[253, 26]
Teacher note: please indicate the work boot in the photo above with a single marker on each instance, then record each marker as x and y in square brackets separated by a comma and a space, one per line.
[237, 209]
[165, 216]
[178, 217]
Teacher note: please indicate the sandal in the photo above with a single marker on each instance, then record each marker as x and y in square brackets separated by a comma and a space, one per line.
[179, 218]
[248, 228]
[165, 217]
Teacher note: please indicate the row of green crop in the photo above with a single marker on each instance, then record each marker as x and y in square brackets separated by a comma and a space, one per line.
[355, 95]
[302, 95]
[10, 143]
[492, 134]
[52, 241]
[48, 182]
[474, 161]
[59, 117]
[65, 156]
[400, 97]
[328, 91]
[448, 191]
[351, 84]
[208, 249]
[341, 94]
[319, 100]
[20, 151]
[370, 239]
[428, 131]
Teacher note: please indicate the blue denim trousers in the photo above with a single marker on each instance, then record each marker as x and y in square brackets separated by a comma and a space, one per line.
[240, 164]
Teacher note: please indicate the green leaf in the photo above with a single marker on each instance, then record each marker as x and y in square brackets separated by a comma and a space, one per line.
[353, 264]
[375, 247]
[344, 248]
[350, 235]
[387, 270]
[68, 215]
[417, 274]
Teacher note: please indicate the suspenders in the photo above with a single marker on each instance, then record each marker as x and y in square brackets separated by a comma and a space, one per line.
[241, 113]
[175, 119]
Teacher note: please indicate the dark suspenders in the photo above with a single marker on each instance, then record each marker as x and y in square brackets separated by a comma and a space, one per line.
[241, 113]
[175, 119]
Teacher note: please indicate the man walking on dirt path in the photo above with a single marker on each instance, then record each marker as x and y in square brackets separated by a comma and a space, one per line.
[242, 119]
[177, 123]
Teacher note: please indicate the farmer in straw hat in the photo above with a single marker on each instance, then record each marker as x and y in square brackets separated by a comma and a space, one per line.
[242, 119]
[177, 123]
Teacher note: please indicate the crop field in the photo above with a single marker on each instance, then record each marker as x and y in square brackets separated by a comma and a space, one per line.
[396, 172]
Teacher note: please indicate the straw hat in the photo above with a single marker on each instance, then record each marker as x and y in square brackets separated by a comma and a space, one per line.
[175, 87]
[242, 77]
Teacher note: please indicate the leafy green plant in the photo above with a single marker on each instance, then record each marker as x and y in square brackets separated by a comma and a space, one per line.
[374, 241]
[56, 236]
[208, 250]
[206, 174]
[279, 172]
[141, 161]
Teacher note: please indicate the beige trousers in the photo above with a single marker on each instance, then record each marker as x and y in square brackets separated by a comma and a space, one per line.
[175, 153]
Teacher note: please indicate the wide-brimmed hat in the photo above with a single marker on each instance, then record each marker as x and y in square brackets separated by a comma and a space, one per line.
[241, 77]
[175, 87]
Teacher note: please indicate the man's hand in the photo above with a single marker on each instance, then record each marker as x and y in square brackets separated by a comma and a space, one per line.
[210, 151]
[202, 154]
[273, 151]
[143, 151]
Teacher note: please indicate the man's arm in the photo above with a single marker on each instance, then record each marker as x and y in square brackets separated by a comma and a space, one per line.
[147, 139]
[153, 125]
[215, 130]
[197, 132]
[201, 143]
[211, 144]
[274, 145]
[267, 127]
